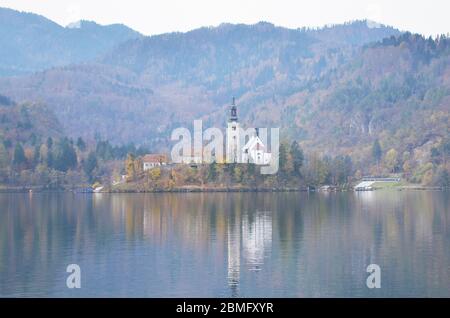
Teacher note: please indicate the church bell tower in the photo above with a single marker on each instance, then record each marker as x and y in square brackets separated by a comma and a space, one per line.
[233, 143]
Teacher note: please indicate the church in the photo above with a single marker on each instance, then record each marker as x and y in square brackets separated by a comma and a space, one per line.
[253, 151]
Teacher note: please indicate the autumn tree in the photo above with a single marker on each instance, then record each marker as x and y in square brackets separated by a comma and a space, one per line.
[341, 168]
[138, 166]
[285, 159]
[155, 173]
[172, 178]
[129, 167]
[391, 160]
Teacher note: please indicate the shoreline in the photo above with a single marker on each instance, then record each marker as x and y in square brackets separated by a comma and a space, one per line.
[37, 189]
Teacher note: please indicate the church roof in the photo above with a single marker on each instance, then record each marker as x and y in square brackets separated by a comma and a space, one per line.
[253, 142]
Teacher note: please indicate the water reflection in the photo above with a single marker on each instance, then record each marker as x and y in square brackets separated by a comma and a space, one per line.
[228, 245]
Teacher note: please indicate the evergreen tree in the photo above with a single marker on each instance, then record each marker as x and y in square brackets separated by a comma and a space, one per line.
[90, 164]
[36, 155]
[376, 151]
[212, 171]
[297, 157]
[81, 145]
[66, 157]
[50, 160]
[19, 158]
[49, 143]
[443, 178]
[251, 169]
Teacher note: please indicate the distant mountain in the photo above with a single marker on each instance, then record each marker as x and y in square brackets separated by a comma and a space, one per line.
[30, 42]
[255, 54]
[145, 87]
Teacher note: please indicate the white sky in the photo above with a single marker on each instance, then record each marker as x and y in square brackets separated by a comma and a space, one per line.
[429, 17]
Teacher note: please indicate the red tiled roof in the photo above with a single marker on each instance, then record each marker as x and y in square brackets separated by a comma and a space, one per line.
[155, 158]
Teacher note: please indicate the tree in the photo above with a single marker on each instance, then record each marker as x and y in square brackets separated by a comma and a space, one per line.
[427, 177]
[316, 171]
[36, 155]
[104, 150]
[4, 158]
[251, 169]
[285, 159]
[129, 166]
[138, 166]
[442, 178]
[81, 145]
[155, 173]
[89, 165]
[435, 155]
[66, 157]
[283, 156]
[445, 150]
[376, 151]
[49, 143]
[172, 179]
[391, 160]
[50, 160]
[342, 168]
[212, 171]
[19, 158]
[237, 174]
[297, 157]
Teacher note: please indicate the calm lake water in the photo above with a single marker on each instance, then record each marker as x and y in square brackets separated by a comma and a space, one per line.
[225, 245]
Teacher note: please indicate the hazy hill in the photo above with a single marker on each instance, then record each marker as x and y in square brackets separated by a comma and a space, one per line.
[241, 57]
[145, 87]
[26, 122]
[30, 42]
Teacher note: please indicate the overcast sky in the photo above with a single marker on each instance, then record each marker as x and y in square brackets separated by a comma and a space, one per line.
[429, 17]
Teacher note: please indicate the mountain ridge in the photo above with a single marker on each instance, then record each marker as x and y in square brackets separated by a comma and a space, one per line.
[31, 42]
[145, 87]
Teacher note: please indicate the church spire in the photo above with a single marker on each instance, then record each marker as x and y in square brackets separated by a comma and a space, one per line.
[233, 116]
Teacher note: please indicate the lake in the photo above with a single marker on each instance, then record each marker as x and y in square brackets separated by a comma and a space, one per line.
[225, 244]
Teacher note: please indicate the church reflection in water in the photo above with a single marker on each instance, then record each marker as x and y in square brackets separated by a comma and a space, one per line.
[250, 235]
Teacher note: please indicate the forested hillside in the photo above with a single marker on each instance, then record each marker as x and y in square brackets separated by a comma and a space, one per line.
[359, 98]
[144, 88]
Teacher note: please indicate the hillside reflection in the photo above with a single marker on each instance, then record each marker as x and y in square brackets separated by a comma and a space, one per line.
[218, 244]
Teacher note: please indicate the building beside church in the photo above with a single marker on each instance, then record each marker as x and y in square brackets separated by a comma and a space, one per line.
[255, 152]
[150, 161]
